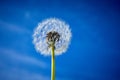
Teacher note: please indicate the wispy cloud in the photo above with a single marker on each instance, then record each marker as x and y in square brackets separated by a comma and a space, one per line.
[21, 74]
[16, 56]
[13, 72]
[13, 27]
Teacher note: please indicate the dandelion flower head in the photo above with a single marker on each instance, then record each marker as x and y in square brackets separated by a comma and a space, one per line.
[52, 26]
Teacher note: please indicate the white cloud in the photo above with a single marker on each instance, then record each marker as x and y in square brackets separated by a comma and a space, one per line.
[21, 74]
[8, 72]
[19, 58]
[13, 27]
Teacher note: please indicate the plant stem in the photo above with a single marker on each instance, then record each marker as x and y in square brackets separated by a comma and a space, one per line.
[53, 63]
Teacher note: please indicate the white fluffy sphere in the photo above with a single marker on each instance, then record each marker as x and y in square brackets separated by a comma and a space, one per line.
[46, 26]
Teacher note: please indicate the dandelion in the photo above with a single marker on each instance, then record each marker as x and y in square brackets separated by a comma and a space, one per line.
[52, 37]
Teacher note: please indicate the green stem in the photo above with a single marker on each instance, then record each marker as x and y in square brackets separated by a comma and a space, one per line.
[53, 63]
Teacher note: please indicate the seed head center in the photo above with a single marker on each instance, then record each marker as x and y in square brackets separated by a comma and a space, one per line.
[52, 37]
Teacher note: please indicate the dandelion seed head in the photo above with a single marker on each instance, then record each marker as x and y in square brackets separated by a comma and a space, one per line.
[52, 25]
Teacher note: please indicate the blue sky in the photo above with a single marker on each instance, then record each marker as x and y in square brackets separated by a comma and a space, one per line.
[94, 52]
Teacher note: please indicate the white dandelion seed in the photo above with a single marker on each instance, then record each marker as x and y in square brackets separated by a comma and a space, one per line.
[59, 30]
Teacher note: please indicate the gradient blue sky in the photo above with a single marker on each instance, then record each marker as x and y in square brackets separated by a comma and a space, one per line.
[94, 53]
